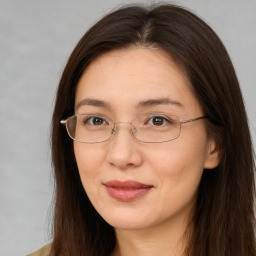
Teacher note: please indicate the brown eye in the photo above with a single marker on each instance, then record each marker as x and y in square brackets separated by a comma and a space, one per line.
[97, 121]
[157, 120]
[94, 121]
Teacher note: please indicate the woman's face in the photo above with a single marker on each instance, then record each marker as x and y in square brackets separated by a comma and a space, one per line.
[136, 185]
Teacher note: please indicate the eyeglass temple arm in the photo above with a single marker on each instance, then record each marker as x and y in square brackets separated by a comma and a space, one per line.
[192, 120]
[182, 121]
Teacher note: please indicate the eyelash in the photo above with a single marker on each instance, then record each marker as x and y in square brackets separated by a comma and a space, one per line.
[90, 119]
[164, 119]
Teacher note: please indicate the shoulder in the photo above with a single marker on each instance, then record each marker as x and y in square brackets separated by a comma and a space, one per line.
[44, 251]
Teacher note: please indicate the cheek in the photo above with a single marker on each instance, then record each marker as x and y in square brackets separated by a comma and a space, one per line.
[89, 161]
[174, 157]
[178, 165]
[178, 176]
[87, 155]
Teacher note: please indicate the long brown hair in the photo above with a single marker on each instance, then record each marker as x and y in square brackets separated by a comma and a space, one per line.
[223, 220]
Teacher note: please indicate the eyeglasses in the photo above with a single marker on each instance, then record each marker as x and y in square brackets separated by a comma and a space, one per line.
[148, 128]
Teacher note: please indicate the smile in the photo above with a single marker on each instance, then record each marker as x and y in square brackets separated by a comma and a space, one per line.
[127, 191]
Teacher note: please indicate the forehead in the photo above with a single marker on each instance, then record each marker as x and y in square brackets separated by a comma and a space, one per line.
[137, 62]
[132, 75]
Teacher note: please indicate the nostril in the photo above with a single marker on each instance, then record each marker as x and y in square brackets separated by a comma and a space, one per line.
[112, 131]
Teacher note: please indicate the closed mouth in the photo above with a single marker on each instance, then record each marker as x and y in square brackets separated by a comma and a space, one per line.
[126, 191]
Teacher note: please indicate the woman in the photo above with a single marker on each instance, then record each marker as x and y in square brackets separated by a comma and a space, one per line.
[161, 160]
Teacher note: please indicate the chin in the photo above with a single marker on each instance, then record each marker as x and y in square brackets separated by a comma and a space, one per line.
[127, 225]
[128, 221]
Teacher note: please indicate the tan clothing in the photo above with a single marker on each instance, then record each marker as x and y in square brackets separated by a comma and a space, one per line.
[44, 251]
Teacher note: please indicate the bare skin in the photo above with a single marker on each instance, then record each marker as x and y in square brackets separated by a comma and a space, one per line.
[155, 223]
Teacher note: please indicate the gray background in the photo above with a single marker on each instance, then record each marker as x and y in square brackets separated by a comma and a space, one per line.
[36, 38]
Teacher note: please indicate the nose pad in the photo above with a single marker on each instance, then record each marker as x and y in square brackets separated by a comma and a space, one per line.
[134, 130]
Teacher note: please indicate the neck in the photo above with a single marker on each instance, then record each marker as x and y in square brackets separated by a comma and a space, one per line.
[166, 239]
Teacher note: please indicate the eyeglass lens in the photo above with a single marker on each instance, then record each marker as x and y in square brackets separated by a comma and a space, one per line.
[146, 128]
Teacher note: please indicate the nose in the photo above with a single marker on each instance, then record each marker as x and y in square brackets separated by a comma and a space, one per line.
[123, 151]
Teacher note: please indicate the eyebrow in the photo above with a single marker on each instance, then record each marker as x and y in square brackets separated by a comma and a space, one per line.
[94, 102]
[156, 102]
[140, 105]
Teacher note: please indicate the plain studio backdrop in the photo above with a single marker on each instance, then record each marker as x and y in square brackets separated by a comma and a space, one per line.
[36, 38]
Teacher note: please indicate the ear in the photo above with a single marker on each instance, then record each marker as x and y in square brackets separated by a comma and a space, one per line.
[213, 155]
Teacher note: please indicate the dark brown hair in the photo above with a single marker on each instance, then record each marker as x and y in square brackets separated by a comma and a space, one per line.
[223, 219]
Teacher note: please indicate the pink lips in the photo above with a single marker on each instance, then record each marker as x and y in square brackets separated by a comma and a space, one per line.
[127, 190]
